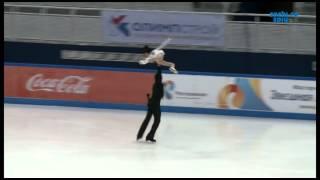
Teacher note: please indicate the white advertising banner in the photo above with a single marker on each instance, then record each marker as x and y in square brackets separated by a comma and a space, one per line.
[290, 95]
[192, 91]
[125, 26]
[252, 94]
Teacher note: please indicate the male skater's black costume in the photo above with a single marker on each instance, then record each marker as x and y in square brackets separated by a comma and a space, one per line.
[153, 108]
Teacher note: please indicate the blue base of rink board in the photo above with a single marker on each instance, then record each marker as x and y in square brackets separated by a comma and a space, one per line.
[263, 114]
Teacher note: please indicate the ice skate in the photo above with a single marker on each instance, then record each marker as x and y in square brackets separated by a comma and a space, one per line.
[173, 70]
[139, 137]
[151, 139]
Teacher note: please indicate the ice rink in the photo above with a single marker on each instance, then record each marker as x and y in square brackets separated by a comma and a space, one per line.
[44, 141]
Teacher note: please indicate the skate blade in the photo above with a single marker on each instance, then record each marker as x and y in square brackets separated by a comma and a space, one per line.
[145, 142]
[174, 71]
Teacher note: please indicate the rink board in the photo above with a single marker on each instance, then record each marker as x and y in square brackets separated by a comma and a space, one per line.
[202, 61]
[186, 92]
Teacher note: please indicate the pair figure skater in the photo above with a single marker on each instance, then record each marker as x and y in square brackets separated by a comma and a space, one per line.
[155, 56]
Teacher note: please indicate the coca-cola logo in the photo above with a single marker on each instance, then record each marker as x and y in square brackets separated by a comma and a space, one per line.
[68, 84]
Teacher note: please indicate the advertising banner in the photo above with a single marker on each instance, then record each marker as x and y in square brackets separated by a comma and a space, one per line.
[275, 95]
[180, 90]
[124, 26]
[77, 84]
[192, 91]
[252, 94]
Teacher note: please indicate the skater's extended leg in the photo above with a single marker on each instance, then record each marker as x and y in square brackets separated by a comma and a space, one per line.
[144, 124]
[169, 64]
[166, 63]
[157, 116]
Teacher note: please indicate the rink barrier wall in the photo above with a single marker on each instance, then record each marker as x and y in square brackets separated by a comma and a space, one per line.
[252, 63]
[164, 71]
[141, 106]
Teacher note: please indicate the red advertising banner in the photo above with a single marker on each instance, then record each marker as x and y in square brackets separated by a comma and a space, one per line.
[77, 84]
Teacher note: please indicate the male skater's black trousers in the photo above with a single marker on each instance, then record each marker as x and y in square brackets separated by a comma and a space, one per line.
[156, 112]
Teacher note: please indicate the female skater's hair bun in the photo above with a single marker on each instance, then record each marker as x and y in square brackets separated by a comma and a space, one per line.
[146, 49]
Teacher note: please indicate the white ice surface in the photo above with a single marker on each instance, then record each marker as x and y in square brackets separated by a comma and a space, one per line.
[44, 141]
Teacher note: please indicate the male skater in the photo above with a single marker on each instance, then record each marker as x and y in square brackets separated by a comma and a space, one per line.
[153, 108]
